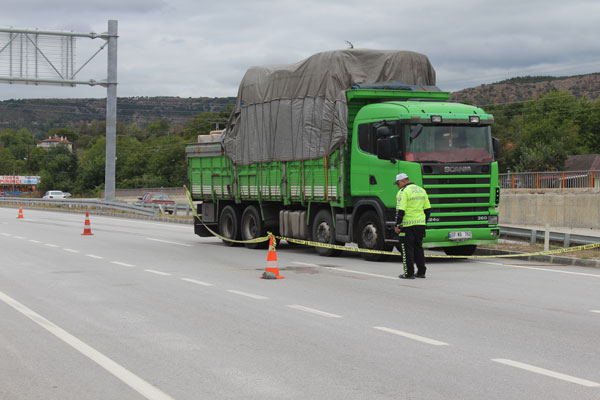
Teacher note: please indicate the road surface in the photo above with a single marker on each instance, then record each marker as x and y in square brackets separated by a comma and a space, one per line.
[146, 310]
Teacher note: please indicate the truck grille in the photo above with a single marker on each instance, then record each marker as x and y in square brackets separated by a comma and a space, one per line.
[459, 194]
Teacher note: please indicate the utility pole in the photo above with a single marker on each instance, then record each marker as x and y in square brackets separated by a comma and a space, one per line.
[111, 112]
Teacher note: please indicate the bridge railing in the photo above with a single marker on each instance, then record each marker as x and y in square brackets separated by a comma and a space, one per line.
[550, 180]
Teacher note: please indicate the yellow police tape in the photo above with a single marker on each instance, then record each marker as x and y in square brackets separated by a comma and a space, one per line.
[255, 240]
[369, 251]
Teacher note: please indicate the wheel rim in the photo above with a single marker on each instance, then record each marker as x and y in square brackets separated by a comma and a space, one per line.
[250, 227]
[323, 233]
[228, 227]
[369, 236]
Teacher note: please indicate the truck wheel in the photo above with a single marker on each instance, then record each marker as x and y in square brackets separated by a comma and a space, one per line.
[371, 236]
[229, 225]
[324, 232]
[467, 250]
[253, 227]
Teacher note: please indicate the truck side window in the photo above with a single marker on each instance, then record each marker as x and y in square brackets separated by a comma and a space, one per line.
[366, 138]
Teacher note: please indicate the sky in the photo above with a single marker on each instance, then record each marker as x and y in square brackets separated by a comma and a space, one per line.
[198, 48]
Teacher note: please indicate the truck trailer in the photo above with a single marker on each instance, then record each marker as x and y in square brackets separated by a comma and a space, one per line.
[311, 151]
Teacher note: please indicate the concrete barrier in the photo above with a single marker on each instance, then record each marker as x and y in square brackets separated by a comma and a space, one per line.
[578, 208]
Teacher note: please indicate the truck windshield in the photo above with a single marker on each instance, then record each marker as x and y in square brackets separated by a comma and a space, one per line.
[450, 143]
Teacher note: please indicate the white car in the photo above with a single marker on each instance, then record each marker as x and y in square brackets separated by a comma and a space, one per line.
[54, 195]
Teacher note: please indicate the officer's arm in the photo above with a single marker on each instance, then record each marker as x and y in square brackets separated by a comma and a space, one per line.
[427, 213]
[427, 207]
[399, 217]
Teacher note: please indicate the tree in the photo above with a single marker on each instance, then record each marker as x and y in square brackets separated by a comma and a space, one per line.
[205, 122]
[7, 162]
[91, 168]
[542, 157]
[167, 161]
[588, 118]
[59, 170]
[551, 119]
[158, 128]
[18, 142]
[132, 162]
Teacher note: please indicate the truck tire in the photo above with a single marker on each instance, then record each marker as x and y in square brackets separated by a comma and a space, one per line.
[370, 235]
[253, 227]
[324, 232]
[229, 225]
[467, 250]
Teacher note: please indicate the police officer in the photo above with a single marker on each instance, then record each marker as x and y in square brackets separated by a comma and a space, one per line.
[412, 212]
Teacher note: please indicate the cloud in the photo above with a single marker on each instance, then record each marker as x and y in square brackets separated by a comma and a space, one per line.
[202, 48]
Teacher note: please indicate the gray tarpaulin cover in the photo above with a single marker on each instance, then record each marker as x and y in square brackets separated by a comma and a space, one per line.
[298, 111]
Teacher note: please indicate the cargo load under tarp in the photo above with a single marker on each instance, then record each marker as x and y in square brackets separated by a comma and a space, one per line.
[298, 111]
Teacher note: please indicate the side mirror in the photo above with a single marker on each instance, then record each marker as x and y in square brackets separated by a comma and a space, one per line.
[383, 131]
[496, 148]
[415, 132]
[388, 148]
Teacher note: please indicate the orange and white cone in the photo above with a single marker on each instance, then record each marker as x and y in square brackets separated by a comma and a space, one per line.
[20, 212]
[87, 228]
[272, 271]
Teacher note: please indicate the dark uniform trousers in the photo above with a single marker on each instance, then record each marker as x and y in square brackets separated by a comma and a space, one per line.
[411, 245]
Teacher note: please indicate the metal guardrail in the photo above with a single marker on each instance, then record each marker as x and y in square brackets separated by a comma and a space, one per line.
[550, 180]
[535, 235]
[173, 191]
[145, 209]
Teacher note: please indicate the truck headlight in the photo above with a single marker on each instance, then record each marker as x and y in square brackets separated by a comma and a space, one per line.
[493, 220]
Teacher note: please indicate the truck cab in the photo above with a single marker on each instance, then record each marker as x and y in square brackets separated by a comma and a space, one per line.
[446, 148]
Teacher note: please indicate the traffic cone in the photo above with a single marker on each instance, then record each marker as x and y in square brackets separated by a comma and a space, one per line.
[87, 228]
[20, 212]
[272, 271]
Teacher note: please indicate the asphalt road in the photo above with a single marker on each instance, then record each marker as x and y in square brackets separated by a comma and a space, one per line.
[149, 310]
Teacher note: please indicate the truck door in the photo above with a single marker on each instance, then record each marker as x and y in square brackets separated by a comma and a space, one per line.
[370, 175]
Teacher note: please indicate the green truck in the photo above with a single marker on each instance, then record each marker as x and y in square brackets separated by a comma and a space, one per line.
[312, 149]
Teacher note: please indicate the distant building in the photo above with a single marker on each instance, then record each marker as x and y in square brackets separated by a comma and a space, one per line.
[55, 141]
[583, 162]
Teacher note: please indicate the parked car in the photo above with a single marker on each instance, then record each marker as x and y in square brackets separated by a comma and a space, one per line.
[54, 195]
[157, 198]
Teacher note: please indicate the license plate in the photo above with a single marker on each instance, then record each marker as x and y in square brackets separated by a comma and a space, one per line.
[460, 235]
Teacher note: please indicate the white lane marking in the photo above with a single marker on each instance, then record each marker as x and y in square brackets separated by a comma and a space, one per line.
[412, 336]
[542, 269]
[253, 296]
[595, 311]
[490, 263]
[130, 379]
[34, 241]
[19, 237]
[361, 273]
[313, 311]
[153, 271]
[71, 250]
[547, 372]
[196, 282]
[168, 241]
[122, 264]
[5, 234]
[94, 256]
[50, 245]
[307, 264]
[345, 270]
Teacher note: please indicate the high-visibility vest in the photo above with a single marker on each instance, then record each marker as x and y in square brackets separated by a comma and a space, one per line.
[413, 200]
